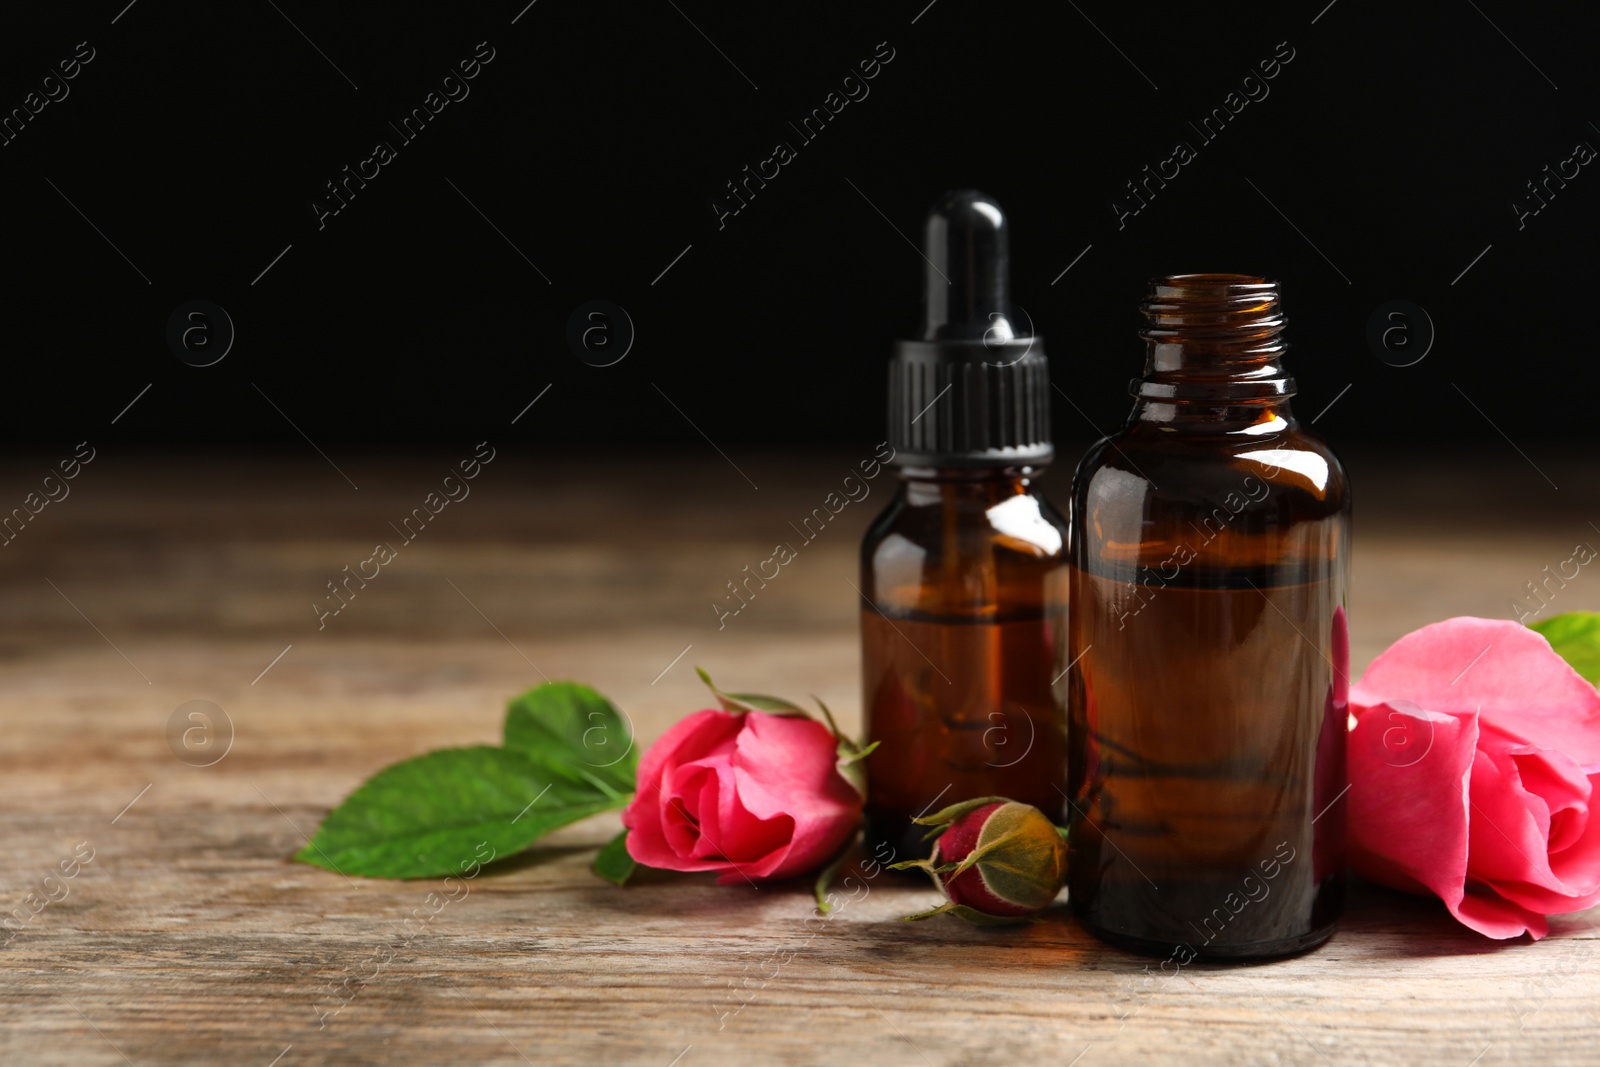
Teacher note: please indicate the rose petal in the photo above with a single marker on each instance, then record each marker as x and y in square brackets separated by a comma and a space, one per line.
[1493, 916]
[646, 818]
[1566, 792]
[1512, 828]
[688, 801]
[1414, 780]
[1408, 798]
[1509, 826]
[742, 841]
[787, 766]
[749, 839]
[1503, 670]
[680, 804]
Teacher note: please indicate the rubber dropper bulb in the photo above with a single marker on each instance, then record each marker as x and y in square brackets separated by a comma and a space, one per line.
[967, 283]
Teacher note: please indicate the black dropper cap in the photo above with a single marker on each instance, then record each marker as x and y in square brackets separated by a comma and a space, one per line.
[973, 389]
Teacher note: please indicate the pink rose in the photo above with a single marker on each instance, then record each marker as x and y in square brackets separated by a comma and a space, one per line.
[1473, 758]
[754, 796]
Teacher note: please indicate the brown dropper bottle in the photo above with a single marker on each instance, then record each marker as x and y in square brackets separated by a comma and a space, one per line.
[962, 576]
[1210, 547]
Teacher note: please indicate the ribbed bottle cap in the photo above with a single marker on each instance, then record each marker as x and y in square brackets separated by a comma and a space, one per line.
[971, 390]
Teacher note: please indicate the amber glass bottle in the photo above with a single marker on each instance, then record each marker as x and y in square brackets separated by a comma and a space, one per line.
[1209, 549]
[963, 576]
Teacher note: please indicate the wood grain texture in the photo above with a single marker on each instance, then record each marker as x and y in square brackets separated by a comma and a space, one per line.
[190, 939]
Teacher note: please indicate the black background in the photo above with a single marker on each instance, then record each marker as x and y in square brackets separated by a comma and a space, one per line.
[199, 136]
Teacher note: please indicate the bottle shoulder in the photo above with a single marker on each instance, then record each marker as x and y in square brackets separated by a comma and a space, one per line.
[967, 557]
[1222, 500]
[1023, 524]
[1290, 467]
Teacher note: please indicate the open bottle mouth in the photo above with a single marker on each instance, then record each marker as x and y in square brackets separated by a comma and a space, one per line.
[1213, 337]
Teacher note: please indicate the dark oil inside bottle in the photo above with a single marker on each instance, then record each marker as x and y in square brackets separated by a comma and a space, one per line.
[1209, 683]
[1204, 778]
[964, 707]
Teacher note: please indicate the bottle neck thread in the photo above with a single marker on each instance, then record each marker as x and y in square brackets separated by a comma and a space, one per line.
[1213, 339]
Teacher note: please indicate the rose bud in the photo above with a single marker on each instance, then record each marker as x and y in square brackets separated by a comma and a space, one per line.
[998, 861]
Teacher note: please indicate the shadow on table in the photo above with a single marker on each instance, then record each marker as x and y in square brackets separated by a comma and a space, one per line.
[1405, 924]
[1377, 923]
[535, 857]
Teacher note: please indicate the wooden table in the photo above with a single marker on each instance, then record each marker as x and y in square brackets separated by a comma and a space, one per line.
[189, 937]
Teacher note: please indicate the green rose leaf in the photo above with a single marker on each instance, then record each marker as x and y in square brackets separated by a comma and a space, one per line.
[614, 864]
[1576, 637]
[577, 734]
[441, 813]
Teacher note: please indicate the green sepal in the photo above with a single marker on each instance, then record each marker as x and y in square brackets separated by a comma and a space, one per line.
[770, 704]
[614, 863]
[979, 918]
[740, 703]
[1029, 869]
[972, 915]
[830, 872]
[847, 754]
[834, 726]
[849, 751]
[945, 816]
[860, 753]
[930, 913]
[981, 851]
